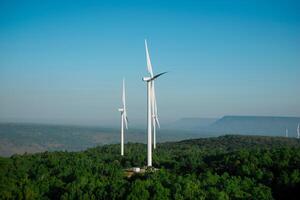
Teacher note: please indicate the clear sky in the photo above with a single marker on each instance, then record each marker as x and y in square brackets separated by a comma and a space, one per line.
[63, 61]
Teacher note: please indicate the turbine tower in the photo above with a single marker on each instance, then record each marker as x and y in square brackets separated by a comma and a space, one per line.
[298, 131]
[152, 117]
[286, 132]
[124, 119]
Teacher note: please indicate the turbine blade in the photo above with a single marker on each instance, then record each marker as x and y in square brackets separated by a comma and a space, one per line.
[123, 95]
[155, 114]
[156, 76]
[149, 66]
[125, 120]
[155, 104]
[152, 99]
[124, 116]
[157, 121]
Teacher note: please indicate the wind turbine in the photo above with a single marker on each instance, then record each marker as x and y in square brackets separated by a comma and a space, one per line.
[152, 118]
[286, 132]
[123, 118]
[155, 120]
[298, 131]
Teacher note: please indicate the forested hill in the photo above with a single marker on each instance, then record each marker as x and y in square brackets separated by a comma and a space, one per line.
[227, 167]
[236, 142]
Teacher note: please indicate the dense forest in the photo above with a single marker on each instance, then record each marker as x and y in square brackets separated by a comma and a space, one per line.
[227, 167]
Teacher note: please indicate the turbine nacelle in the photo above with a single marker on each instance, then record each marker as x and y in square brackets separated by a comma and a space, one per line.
[121, 109]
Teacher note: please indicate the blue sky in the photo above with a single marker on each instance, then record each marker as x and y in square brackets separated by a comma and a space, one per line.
[63, 61]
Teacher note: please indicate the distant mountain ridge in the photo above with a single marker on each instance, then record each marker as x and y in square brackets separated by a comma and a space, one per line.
[258, 125]
[231, 124]
[190, 123]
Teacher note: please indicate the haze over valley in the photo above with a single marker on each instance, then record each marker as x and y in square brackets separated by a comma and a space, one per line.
[18, 138]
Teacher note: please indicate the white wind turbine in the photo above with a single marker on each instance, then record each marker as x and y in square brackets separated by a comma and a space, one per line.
[298, 131]
[286, 132]
[123, 118]
[154, 113]
[152, 117]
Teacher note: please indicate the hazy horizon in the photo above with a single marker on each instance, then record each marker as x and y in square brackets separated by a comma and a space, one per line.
[113, 123]
[63, 61]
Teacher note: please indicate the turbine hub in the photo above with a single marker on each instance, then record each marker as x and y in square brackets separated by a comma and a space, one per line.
[146, 79]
